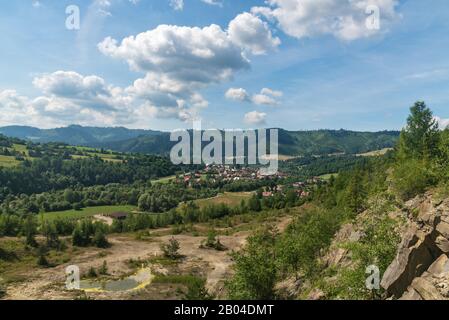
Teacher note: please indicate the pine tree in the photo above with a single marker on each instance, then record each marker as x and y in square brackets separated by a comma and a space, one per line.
[78, 237]
[420, 138]
[92, 273]
[356, 192]
[100, 239]
[171, 250]
[51, 234]
[254, 204]
[42, 259]
[103, 269]
[30, 231]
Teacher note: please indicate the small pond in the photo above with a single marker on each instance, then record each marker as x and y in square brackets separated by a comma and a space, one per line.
[135, 282]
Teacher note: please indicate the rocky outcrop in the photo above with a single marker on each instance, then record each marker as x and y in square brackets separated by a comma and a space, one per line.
[336, 255]
[432, 284]
[420, 270]
[416, 253]
[289, 288]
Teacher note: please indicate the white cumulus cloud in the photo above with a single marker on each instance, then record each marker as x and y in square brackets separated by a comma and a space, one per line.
[67, 98]
[264, 99]
[178, 62]
[344, 19]
[266, 96]
[193, 54]
[255, 118]
[442, 123]
[253, 34]
[15, 109]
[90, 91]
[238, 94]
[273, 93]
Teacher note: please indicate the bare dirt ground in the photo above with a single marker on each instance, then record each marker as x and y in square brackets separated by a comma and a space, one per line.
[104, 219]
[50, 283]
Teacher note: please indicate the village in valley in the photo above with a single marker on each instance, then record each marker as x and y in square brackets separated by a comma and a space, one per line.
[280, 182]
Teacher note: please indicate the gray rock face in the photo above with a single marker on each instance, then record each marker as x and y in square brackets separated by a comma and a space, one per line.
[443, 229]
[415, 255]
[337, 255]
[440, 266]
[442, 243]
[420, 270]
[411, 294]
[426, 289]
[432, 284]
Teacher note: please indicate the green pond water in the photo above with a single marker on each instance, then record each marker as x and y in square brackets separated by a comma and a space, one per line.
[116, 285]
[144, 276]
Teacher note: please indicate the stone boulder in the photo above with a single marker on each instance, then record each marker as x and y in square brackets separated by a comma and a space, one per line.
[443, 229]
[426, 289]
[416, 253]
[442, 243]
[440, 266]
[411, 294]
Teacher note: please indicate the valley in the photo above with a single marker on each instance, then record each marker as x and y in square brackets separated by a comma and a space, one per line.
[218, 159]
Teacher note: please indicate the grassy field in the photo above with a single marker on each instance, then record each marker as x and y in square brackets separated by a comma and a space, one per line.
[164, 180]
[104, 156]
[21, 148]
[111, 159]
[87, 212]
[8, 162]
[375, 153]
[18, 262]
[231, 199]
[81, 148]
[76, 156]
[328, 176]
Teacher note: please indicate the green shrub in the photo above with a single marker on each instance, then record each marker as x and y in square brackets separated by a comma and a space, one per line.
[171, 250]
[412, 177]
[100, 240]
[92, 273]
[213, 242]
[42, 259]
[103, 270]
[196, 286]
[302, 243]
[196, 290]
[255, 268]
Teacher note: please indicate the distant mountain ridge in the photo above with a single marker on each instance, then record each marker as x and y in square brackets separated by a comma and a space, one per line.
[291, 143]
[75, 135]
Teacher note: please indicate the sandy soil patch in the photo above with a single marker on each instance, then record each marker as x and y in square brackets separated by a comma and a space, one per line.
[50, 283]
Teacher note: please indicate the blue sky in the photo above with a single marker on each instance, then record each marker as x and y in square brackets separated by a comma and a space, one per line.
[295, 64]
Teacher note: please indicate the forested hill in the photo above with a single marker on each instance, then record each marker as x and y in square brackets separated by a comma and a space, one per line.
[30, 168]
[291, 143]
[75, 135]
[323, 142]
